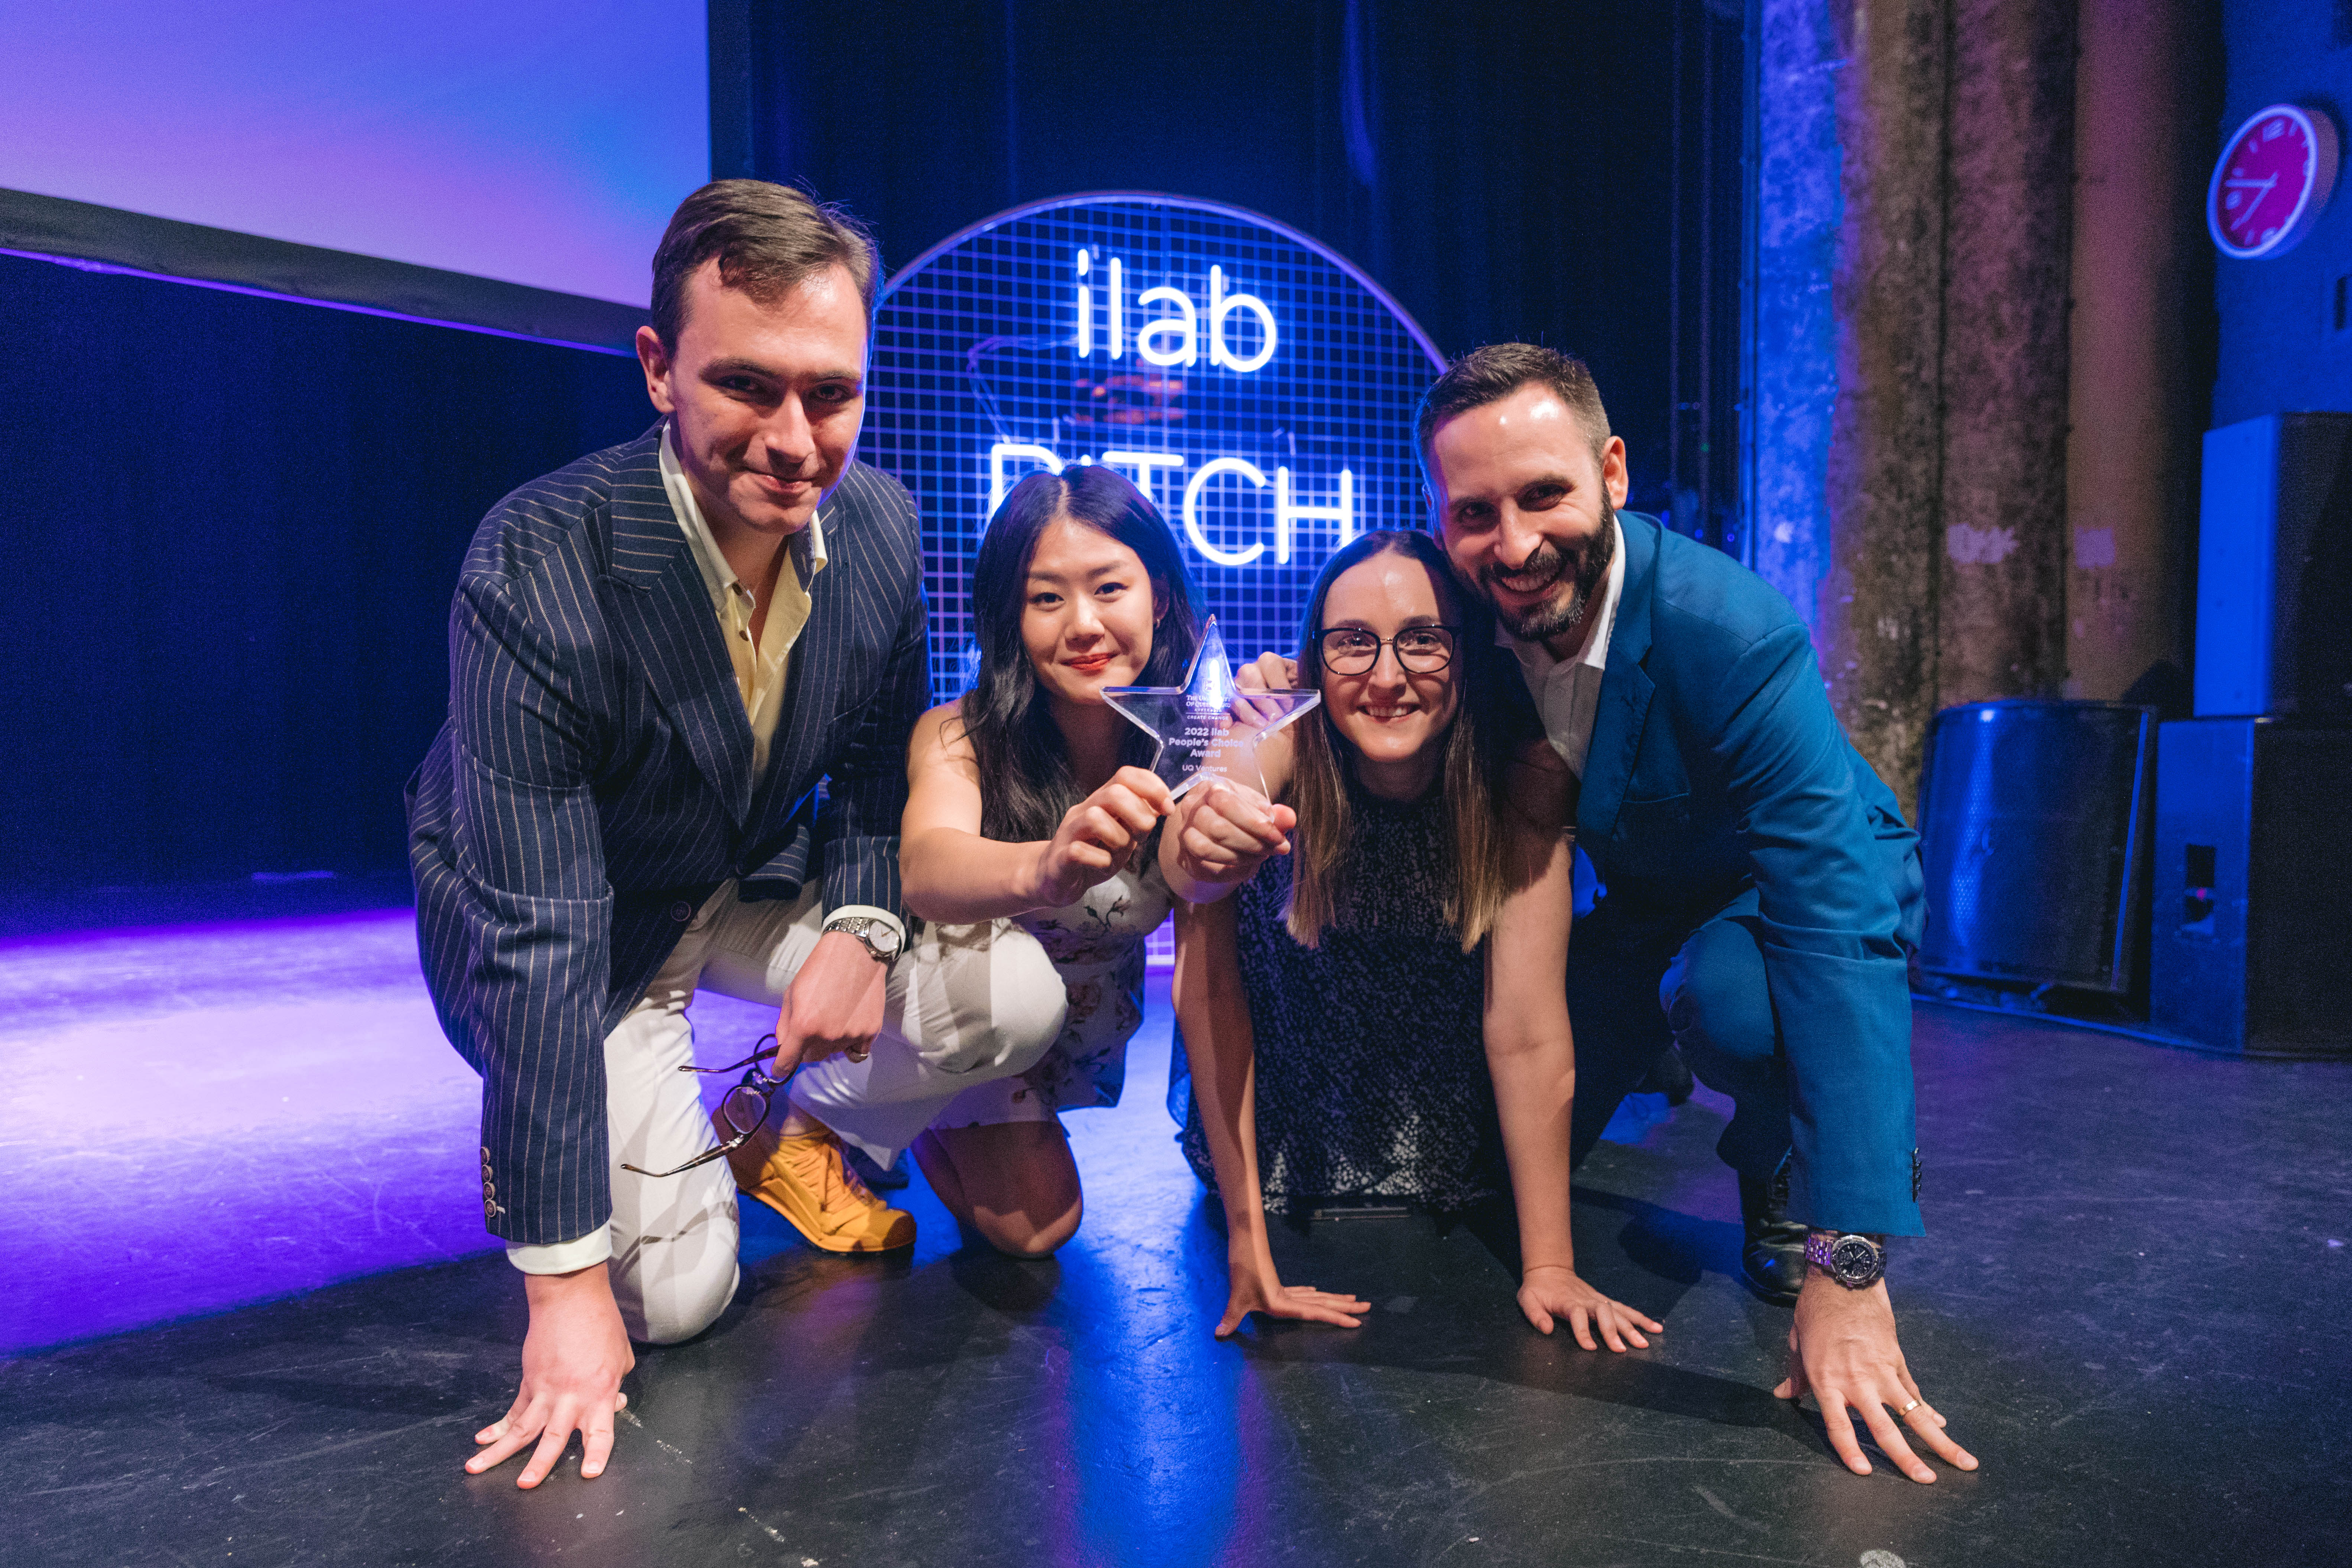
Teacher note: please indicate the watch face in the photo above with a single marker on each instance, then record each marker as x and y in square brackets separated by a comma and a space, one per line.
[877, 938]
[2273, 178]
[1853, 1260]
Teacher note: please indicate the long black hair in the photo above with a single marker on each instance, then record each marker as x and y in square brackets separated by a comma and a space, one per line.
[1025, 783]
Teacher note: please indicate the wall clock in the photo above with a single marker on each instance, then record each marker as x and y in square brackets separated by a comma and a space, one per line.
[2272, 180]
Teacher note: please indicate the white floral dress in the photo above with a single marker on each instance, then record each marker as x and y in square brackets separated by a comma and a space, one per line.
[1097, 946]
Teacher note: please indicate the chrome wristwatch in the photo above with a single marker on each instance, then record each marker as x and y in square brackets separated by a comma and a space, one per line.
[876, 936]
[1856, 1262]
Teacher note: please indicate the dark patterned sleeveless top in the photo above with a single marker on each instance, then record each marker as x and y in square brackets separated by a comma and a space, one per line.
[1371, 1069]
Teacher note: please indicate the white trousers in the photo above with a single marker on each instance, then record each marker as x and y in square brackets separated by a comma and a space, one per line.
[965, 1004]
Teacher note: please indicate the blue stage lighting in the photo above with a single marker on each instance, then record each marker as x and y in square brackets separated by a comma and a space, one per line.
[1259, 387]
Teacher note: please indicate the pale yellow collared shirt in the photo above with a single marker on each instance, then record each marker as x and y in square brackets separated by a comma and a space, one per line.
[759, 669]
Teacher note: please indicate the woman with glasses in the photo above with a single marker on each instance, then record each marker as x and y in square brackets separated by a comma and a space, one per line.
[1032, 821]
[1379, 1012]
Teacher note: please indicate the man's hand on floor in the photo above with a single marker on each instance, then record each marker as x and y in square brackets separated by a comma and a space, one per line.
[573, 1358]
[1843, 1351]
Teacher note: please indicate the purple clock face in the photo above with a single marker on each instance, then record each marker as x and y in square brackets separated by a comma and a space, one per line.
[2271, 182]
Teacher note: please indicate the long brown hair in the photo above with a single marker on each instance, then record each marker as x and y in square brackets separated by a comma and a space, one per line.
[1470, 777]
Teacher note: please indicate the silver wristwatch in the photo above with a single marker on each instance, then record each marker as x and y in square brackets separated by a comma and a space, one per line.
[877, 937]
[1854, 1261]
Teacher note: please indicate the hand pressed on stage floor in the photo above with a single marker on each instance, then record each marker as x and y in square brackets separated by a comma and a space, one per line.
[1214, 1016]
[834, 1003]
[1553, 1290]
[573, 1358]
[1842, 1350]
[1256, 1288]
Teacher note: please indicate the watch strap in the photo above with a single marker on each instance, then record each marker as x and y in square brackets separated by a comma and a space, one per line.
[865, 929]
[1853, 1260]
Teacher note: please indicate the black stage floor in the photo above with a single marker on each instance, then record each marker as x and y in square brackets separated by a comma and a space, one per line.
[2133, 1308]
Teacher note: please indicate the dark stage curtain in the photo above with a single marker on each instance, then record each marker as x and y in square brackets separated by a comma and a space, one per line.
[1505, 167]
[234, 523]
[233, 528]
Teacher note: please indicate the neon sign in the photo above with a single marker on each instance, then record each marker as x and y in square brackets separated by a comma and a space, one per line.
[1140, 466]
[1256, 386]
[1183, 328]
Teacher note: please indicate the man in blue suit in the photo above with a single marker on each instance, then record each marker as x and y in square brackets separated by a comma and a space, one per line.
[658, 654]
[1759, 888]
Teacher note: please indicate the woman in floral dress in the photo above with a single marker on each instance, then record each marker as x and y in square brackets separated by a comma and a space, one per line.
[1033, 807]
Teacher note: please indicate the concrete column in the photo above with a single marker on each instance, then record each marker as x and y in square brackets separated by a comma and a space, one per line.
[1797, 218]
[1930, 559]
[2142, 273]
[1874, 610]
[2000, 612]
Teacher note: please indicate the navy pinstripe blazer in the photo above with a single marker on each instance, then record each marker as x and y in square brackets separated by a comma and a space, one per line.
[592, 785]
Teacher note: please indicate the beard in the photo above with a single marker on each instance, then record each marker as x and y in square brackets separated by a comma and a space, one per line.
[1585, 570]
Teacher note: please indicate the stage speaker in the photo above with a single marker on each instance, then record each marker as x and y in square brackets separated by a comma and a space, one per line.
[2033, 827]
[2252, 944]
[2274, 568]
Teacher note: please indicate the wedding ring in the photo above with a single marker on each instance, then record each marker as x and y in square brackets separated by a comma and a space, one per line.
[862, 1052]
[1909, 1409]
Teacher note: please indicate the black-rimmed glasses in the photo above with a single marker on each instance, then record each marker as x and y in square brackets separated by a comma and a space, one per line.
[743, 1109]
[1424, 650]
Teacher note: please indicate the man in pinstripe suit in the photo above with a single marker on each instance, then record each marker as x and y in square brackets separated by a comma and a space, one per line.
[658, 653]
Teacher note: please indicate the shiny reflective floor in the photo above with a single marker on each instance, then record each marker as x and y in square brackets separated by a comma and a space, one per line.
[2133, 1306]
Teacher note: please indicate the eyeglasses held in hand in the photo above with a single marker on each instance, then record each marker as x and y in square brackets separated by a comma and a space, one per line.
[743, 1109]
[1424, 650]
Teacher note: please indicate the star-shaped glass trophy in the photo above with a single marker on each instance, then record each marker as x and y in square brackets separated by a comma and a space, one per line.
[1208, 728]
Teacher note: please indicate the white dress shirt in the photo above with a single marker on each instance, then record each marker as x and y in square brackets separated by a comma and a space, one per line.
[1568, 693]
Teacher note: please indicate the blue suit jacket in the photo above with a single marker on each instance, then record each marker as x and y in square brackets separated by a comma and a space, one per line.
[594, 786]
[1720, 781]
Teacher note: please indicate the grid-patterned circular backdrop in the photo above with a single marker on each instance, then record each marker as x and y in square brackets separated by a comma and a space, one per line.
[1259, 387]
